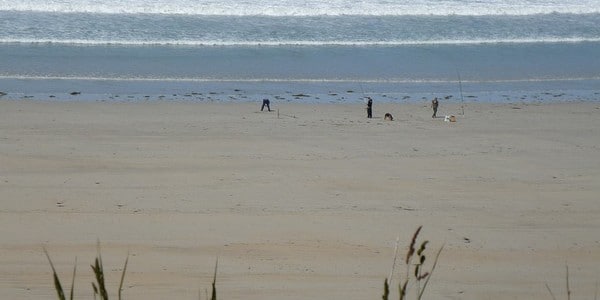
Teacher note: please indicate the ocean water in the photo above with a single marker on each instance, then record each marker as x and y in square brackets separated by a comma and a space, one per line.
[329, 51]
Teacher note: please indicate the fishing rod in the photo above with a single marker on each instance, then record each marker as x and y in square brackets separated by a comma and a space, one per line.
[462, 100]
[452, 60]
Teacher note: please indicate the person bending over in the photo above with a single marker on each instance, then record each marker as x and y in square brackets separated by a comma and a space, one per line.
[266, 103]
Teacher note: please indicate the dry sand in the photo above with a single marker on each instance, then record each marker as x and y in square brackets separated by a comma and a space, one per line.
[306, 205]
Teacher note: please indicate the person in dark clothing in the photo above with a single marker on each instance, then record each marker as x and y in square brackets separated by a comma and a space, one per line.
[369, 108]
[266, 103]
[434, 105]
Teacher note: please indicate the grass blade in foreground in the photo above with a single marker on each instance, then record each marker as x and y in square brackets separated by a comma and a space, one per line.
[123, 276]
[73, 281]
[57, 285]
[214, 283]
[386, 290]
[420, 276]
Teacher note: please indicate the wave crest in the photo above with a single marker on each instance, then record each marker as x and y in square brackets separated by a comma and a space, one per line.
[305, 8]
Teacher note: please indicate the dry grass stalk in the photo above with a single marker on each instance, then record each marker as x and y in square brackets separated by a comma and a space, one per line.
[386, 290]
[437, 256]
[419, 276]
[98, 287]
[73, 280]
[98, 269]
[550, 291]
[214, 283]
[123, 276]
[411, 249]
[57, 286]
[389, 282]
[568, 289]
[568, 286]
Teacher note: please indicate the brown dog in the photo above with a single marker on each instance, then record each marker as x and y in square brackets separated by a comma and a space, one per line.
[388, 117]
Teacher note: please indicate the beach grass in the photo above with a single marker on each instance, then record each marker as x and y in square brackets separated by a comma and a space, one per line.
[416, 274]
[98, 287]
[414, 261]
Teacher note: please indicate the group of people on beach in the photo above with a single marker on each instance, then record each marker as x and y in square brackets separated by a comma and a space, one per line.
[434, 105]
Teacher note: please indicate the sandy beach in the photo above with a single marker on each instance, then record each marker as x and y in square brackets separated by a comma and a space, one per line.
[304, 202]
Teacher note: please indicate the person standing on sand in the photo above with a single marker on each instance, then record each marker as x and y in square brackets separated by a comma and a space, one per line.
[266, 103]
[434, 105]
[369, 108]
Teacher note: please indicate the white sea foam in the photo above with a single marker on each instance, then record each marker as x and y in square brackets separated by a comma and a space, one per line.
[307, 7]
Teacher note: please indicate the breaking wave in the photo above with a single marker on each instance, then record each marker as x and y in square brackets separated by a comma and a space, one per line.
[306, 7]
